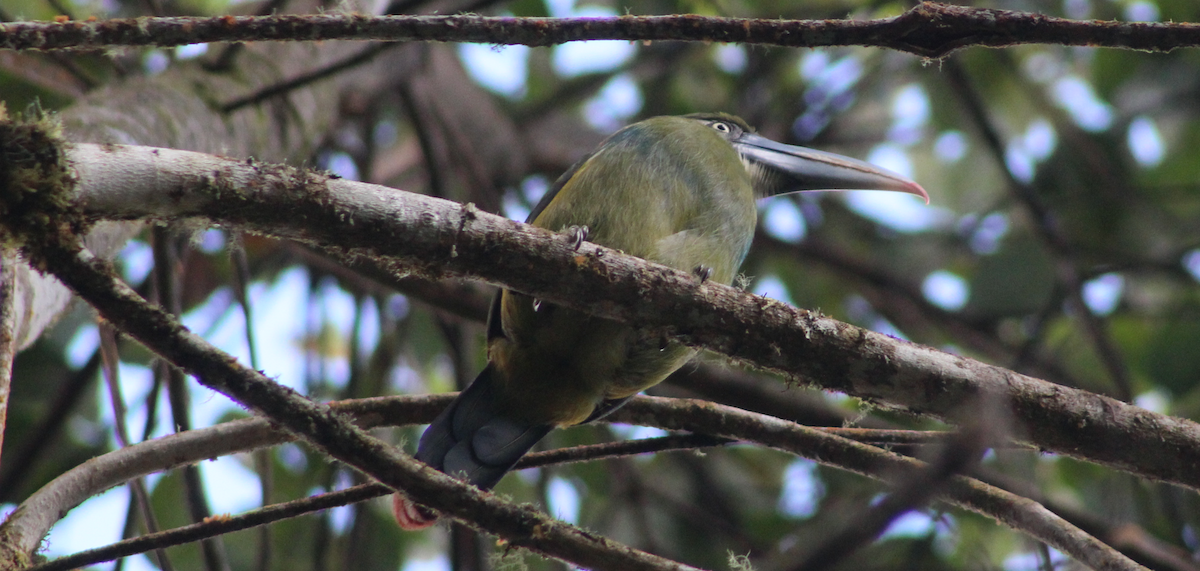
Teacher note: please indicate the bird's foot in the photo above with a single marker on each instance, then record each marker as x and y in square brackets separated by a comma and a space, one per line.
[702, 272]
[410, 516]
[577, 234]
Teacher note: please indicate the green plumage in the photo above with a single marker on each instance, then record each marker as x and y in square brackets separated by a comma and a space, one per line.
[679, 191]
[669, 190]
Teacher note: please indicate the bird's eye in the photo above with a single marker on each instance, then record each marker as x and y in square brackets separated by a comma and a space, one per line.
[722, 127]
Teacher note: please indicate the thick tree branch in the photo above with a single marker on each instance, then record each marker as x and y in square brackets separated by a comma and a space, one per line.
[929, 30]
[438, 238]
[826, 445]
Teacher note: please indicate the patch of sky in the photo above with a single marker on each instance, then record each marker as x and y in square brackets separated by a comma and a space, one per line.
[839, 75]
[437, 562]
[292, 457]
[405, 379]
[891, 157]
[1030, 561]
[563, 500]
[946, 290]
[1040, 139]
[397, 307]
[1076, 96]
[910, 113]
[1019, 162]
[1103, 293]
[136, 261]
[730, 58]
[341, 517]
[514, 208]
[810, 123]
[135, 382]
[1035, 145]
[211, 241]
[1077, 9]
[1043, 67]
[829, 91]
[501, 69]
[1142, 11]
[534, 188]
[633, 432]
[340, 164]
[94, 523]
[578, 58]
[912, 523]
[1191, 263]
[802, 490]
[155, 62]
[82, 345]
[1190, 538]
[337, 310]
[231, 487]
[860, 311]
[276, 327]
[920, 524]
[616, 102]
[191, 51]
[984, 236]
[950, 146]
[518, 207]
[1155, 400]
[369, 328]
[1145, 142]
[783, 220]
[812, 63]
[772, 287]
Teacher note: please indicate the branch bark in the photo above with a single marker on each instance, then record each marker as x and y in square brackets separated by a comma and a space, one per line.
[437, 238]
[929, 30]
[829, 446]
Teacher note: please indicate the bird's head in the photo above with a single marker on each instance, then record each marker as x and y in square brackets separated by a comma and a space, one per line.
[776, 168]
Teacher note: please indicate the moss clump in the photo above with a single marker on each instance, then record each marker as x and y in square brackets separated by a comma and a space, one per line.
[35, 184]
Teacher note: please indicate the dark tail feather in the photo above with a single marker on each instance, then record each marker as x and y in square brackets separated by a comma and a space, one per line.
[471, 440]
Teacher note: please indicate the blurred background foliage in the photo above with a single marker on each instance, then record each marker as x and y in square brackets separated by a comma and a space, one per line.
[1062, 241]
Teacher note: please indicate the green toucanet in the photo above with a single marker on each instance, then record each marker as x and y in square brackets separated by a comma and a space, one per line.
[679, 191]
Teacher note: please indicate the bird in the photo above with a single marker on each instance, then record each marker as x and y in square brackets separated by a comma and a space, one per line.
[677, 190]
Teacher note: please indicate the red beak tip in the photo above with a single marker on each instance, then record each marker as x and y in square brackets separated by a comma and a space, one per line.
[917, 190]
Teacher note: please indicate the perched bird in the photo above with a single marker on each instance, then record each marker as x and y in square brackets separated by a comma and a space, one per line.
[679, 191]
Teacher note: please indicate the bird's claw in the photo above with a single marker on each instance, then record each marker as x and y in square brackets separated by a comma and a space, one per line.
[411, 516]
[577, 234]
[702, 272]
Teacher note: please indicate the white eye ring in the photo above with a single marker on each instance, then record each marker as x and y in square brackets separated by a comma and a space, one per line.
[722, 127]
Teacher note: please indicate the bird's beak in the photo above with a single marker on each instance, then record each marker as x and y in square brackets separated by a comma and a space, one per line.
[778, 168]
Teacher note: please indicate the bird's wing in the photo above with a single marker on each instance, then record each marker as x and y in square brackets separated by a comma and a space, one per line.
[558, 185]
